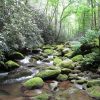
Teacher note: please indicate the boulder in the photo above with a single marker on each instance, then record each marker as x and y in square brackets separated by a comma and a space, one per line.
[16, 55]
[66, 71]
[11, 65]
[93, 82]
[68, 63]
[94, 92]
[48, 74]
[48, 51]
[36, 82]
[62, 77]
[57, 60]
[77, 58]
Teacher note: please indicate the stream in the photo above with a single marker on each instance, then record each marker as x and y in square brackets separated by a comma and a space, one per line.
[11, 85]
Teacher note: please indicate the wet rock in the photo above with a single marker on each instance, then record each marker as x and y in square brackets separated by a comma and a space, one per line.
[72, 94]
[47, 74]
[94, 92]
[72, 76]
[69, 54]
[93, 82]
[11, 65]
[42, 96]
[67, 64]
[76, 71]
[20, 72]
[48, 51]
[57, 60]
[66, 50]
[66, 71]
[16, 55]
[62, 77]
[36, 51]
[77, 58]
[36, 82]
[81, 81]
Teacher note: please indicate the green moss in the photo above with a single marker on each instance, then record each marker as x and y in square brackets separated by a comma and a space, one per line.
[47, 74]
[66, 71]
[94, 91]
[93, 82]
[77, 58]
[60, 47]
[42, 96]
[57, 60]
[62, 77]
[36, 82]
[16, 55]
[69, 54]
[81, 81]
[10, 65]
[67, 64]
[48, 51]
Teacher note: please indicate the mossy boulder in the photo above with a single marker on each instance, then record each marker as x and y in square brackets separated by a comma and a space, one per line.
[35, 82]
[94, 92]
[10, 65]
[60, 47]
[68, 63]
[69, 54]
[93, 83]
[16, 55]
[57, 60]
[81, 81]
[66, 71]
[77, 58]
[48, 74]
[48, 51]
[62, 77]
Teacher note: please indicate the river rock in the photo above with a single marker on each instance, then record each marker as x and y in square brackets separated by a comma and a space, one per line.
[16, 55]
[36, 82]
[20, 72]
[68, 63]
[95, 82]
[94, 92]
[77, 58]
[47, 74]
[62, 77]
[11, 65]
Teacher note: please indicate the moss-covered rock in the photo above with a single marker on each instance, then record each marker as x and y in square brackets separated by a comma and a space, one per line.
[16, 55]
[47, 74]
[94, 91]
[73, 76]
[10, 65]
[60, 47]
[66, 71]
[69, 54]
[36, 82]
[57, 60]
[48, 51]
[77, 58]
[93, 83]
[62, 77]
[81, 81]
[68, 63]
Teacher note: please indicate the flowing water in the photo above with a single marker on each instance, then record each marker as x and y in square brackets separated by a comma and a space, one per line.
[11, 85]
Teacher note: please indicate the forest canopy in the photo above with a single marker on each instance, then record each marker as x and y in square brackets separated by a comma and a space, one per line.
[29, 23]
